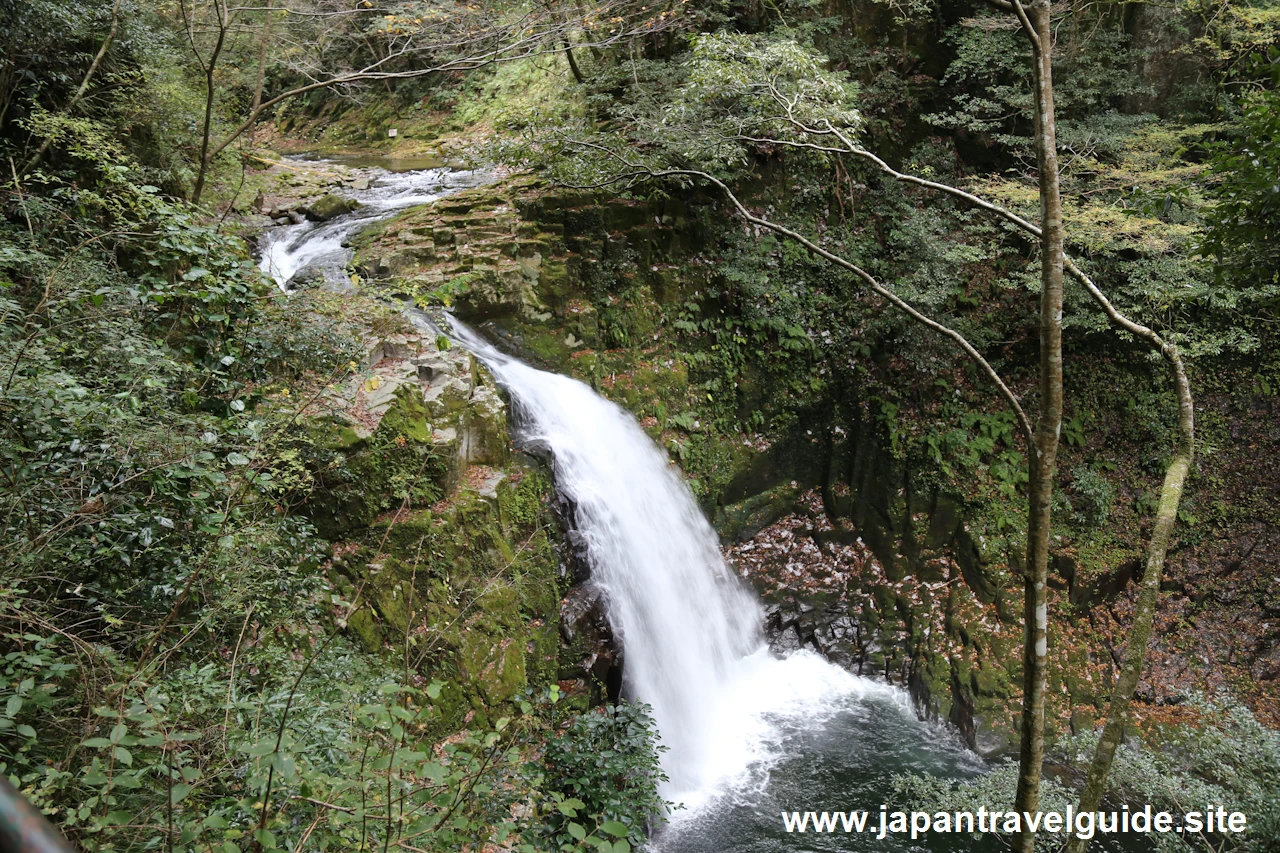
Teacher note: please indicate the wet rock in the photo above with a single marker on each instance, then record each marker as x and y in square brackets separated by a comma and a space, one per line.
[307, 277]
[484, 428]
[589, 640]
[785, 642]
[328, 207]
[327, 278]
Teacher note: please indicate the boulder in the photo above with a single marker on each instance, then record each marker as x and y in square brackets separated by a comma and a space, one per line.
[329, 206]
[307, 277]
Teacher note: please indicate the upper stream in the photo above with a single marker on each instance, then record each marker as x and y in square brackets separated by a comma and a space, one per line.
[381, 192]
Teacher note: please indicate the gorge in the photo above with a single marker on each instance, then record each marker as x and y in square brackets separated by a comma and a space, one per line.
[512, 427]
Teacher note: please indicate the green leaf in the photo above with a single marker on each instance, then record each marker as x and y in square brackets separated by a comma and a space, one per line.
[13, 706]
[26, 731]
[118, 731]
[616, 828]
[284, 766]
[122, 755]
[262, 747]
[576, 831]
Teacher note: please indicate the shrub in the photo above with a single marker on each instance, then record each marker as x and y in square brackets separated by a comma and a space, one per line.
[604, 771]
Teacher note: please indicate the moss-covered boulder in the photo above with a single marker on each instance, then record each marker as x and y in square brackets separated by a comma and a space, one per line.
[468, 590]
[399, 435]
[328, 207]
[364, 472]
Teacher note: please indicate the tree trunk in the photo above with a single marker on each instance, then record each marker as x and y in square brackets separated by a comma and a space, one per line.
[1135, 654]
[263, 44]
[1044, 449]
[210, 90]
[573, 62]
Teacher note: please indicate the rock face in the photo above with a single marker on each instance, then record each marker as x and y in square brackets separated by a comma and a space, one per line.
[468, 589]
[404, 432]
[591, 659]
[446, 541]
[924, 630]
[517, 254]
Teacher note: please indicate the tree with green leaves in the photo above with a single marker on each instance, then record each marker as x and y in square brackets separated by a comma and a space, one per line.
[1244, 221]
[335, 48]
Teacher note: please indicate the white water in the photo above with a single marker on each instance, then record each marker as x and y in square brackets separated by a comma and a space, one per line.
[689, 630]
[288, 249]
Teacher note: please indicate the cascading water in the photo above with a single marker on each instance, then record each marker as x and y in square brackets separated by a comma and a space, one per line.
[685, 622]
[724, 706]
[748, 734]
[321, 246]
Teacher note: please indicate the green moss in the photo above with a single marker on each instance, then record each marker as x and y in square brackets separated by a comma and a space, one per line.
[407, 417]
[360, 477]
[366, 629]
[474, 587]
[991, 681]
[740, 521]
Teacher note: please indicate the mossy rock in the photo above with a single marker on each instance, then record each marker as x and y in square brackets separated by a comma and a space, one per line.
[743, 520]
[364, 475]
[471, 586]
[329, 207]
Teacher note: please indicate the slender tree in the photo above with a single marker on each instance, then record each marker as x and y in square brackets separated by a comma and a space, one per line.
[1042, 460]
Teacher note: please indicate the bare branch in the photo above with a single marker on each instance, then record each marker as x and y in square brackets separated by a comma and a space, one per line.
[636, 171]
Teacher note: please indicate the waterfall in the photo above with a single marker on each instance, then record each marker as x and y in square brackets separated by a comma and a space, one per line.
[689, 628]
[747, 733]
